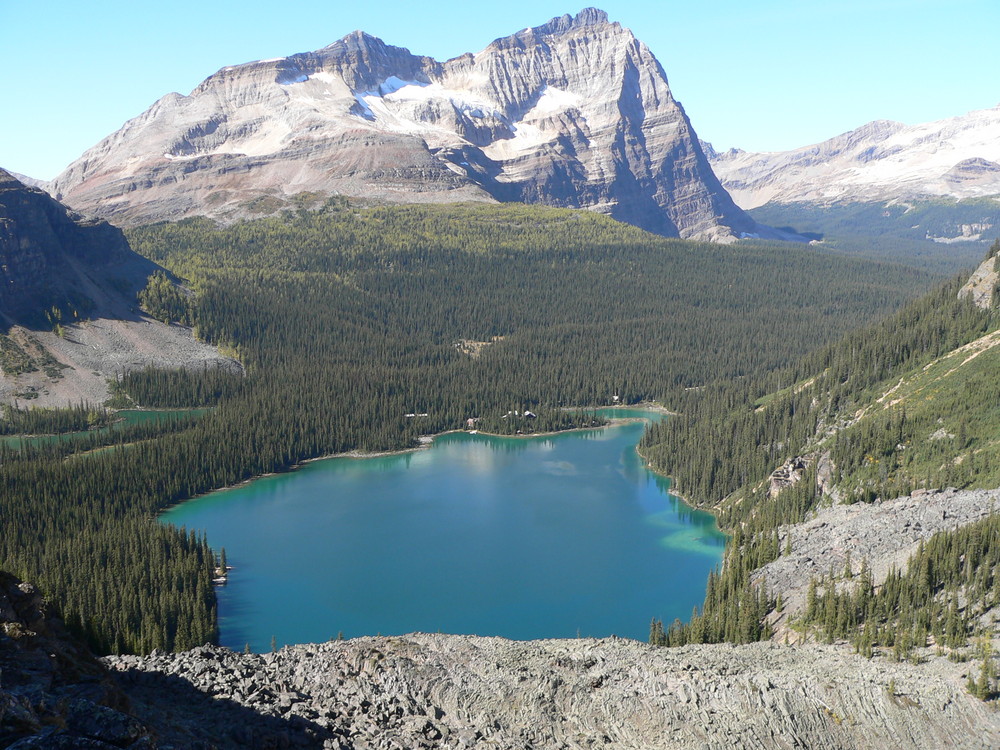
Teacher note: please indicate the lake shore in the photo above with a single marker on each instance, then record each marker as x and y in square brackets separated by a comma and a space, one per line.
[426, 441]
[493, 514]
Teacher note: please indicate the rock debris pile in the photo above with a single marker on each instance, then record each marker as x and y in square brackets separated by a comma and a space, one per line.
[424, 691]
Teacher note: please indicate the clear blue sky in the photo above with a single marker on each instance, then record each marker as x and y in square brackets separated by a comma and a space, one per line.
[757, 74]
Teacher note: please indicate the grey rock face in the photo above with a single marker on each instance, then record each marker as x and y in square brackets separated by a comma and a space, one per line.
[886, 534]
[979, 288]
[576, 113]
[53, 693]
[461, 691]
[41, 245]
[882, 160]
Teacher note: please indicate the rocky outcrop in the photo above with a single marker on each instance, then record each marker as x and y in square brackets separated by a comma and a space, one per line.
[787, 474]
[53, 693]
[981, 285]
[423, 691]
[880, 161]
[575, 113]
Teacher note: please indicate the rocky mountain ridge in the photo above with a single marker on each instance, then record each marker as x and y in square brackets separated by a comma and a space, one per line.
[44, 249]
[576, 112]
[881, 160]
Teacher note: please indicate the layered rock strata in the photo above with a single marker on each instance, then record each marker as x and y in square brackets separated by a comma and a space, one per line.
[575, 113]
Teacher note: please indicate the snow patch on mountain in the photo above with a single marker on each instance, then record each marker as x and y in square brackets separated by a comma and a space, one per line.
[555, 114]
[958, 157]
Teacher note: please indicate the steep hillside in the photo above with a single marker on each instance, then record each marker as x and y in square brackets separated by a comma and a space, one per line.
[881, 421]
[49, 256]
[67, 300]
[576, 113]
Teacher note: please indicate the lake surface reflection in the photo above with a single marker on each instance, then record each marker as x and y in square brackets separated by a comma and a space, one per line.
[544, 537]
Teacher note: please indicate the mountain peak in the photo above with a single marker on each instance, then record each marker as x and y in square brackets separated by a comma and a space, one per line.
[359, 39]
[573, 113]
[564, 23]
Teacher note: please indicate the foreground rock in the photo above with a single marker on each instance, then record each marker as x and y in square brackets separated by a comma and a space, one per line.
[53, 693]
[461, 691]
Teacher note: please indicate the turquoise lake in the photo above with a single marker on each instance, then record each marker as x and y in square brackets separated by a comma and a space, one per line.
[544, 537]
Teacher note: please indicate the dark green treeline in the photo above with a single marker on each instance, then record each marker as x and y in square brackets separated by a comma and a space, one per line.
[347, 322]
[732, 435]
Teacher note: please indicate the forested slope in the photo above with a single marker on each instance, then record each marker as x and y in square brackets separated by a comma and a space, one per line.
[349, 322]
[899, 407]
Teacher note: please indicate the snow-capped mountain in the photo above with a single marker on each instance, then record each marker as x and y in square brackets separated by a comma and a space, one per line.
[883, 160]
[576, 112]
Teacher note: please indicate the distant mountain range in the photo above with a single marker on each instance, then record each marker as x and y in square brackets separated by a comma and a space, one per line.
[958, 157]
[575, 113]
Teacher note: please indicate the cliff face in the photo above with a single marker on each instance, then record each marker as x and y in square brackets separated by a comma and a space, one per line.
[43, 247]
[981, 285]
[576, 113]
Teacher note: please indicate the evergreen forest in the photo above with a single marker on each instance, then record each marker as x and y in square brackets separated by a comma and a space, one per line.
[350, 322]
[906, 404]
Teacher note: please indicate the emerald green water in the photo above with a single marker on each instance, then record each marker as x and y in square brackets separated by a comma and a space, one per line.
[127, 417]
[519, 537]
